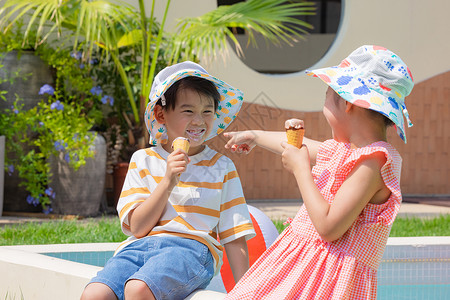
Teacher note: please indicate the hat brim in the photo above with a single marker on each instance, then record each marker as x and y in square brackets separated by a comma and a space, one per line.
[230, 103]
[363, 95]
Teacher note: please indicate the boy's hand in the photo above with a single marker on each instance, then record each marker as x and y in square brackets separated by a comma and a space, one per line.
[177, 163]
[240, 141]
[295, 159]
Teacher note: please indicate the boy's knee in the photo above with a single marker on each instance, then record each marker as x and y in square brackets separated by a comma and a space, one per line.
[137, 289]
[98, 291]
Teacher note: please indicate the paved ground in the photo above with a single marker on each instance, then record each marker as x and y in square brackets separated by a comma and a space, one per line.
[274, 209]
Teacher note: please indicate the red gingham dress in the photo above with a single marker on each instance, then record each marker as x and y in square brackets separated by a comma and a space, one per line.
[300, 265]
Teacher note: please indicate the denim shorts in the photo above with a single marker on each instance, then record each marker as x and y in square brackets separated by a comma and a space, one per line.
[172, 267]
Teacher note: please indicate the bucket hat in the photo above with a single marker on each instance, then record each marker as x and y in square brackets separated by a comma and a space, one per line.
[230, 102]
[375, 78]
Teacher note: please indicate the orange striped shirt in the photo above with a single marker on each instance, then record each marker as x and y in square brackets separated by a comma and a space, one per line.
[207, 202]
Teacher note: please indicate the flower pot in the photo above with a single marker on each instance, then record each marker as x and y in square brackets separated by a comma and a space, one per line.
[26, 88]
[15, 195]
[79, 192]
[119, 174]
[2, 171]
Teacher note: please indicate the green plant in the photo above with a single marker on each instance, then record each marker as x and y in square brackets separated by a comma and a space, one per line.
[33, 135]
[107, 229]
[101, 230]
[110, 27]
[59, 124]
[406, 226]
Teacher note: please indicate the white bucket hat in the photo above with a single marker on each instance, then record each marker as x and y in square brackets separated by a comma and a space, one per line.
[375, 78]
[230, 103]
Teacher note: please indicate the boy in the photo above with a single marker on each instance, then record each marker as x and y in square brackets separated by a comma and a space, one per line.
[174, 204]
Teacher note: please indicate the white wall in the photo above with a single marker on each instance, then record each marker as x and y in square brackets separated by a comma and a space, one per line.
[418, 31]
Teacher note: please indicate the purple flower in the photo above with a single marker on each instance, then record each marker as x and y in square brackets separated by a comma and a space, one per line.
[59, 145]
[58, 105]
[93, 61]
[41, 123]
[15, 110]
[107, 99]
[10, 170]
[50, 192]
[47, 209]
[81, 66]
[76, 55]
[32, 200]
[67, 157]
[46, 89]
[96, 90]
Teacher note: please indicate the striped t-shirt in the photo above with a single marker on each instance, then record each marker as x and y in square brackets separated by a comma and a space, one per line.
[207, 203]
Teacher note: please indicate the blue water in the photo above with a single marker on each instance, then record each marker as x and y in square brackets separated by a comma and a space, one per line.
[385, 292]
[414, 292]
[94, 258]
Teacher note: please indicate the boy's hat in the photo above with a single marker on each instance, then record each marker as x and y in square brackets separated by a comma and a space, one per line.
[230, 103]
[375, 78]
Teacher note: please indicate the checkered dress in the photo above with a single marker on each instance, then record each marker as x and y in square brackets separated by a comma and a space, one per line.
[300, 265]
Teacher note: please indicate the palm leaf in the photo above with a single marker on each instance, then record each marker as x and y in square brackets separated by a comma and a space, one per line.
[273, 19]
[101, 22]
[131, 38]
[44, 10]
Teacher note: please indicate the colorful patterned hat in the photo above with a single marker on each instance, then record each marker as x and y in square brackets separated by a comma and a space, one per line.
[375, 78]
[230, 103]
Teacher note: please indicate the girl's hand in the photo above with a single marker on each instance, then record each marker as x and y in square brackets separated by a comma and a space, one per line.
[177, 163]
[295, 159]
[240, 141]
[294, 123]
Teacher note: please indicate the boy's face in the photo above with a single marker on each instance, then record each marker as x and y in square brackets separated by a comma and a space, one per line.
[192, 118]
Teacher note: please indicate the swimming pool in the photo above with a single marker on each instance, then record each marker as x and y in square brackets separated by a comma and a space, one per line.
[412, 268]
[408, 271]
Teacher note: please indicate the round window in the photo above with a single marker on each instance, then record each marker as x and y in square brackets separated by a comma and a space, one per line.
[272, 59]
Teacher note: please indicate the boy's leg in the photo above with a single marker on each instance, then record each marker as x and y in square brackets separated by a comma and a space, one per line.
[117, 271]
[98, 291]
[174, 268]
[137, 289]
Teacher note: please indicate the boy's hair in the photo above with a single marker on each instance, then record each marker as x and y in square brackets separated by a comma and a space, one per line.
[372, 113]
[201, 85]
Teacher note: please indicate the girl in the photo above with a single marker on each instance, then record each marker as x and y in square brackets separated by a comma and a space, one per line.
[333, 247]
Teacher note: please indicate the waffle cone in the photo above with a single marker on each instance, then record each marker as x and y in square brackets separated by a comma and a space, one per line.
[181, 143]
[295, 136]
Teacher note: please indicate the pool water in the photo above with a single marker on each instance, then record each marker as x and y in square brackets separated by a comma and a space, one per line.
[94, 258]
[425, 291]
[414, 292]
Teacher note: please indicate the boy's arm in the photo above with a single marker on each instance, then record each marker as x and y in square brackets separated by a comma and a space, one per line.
[237, 254]
[145, 216]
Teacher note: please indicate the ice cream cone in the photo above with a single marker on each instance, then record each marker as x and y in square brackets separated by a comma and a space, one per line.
[181, 143]
[295, 136]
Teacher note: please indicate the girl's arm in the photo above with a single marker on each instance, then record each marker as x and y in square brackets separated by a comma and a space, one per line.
[145, 216]
[245, 141]
[363, 185]
[237, 254]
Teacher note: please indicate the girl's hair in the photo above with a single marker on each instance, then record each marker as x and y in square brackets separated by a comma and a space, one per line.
[201, 85]
[373, 114]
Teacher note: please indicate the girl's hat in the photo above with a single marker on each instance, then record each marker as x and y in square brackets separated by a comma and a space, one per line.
[230, 103]
[375, 78]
